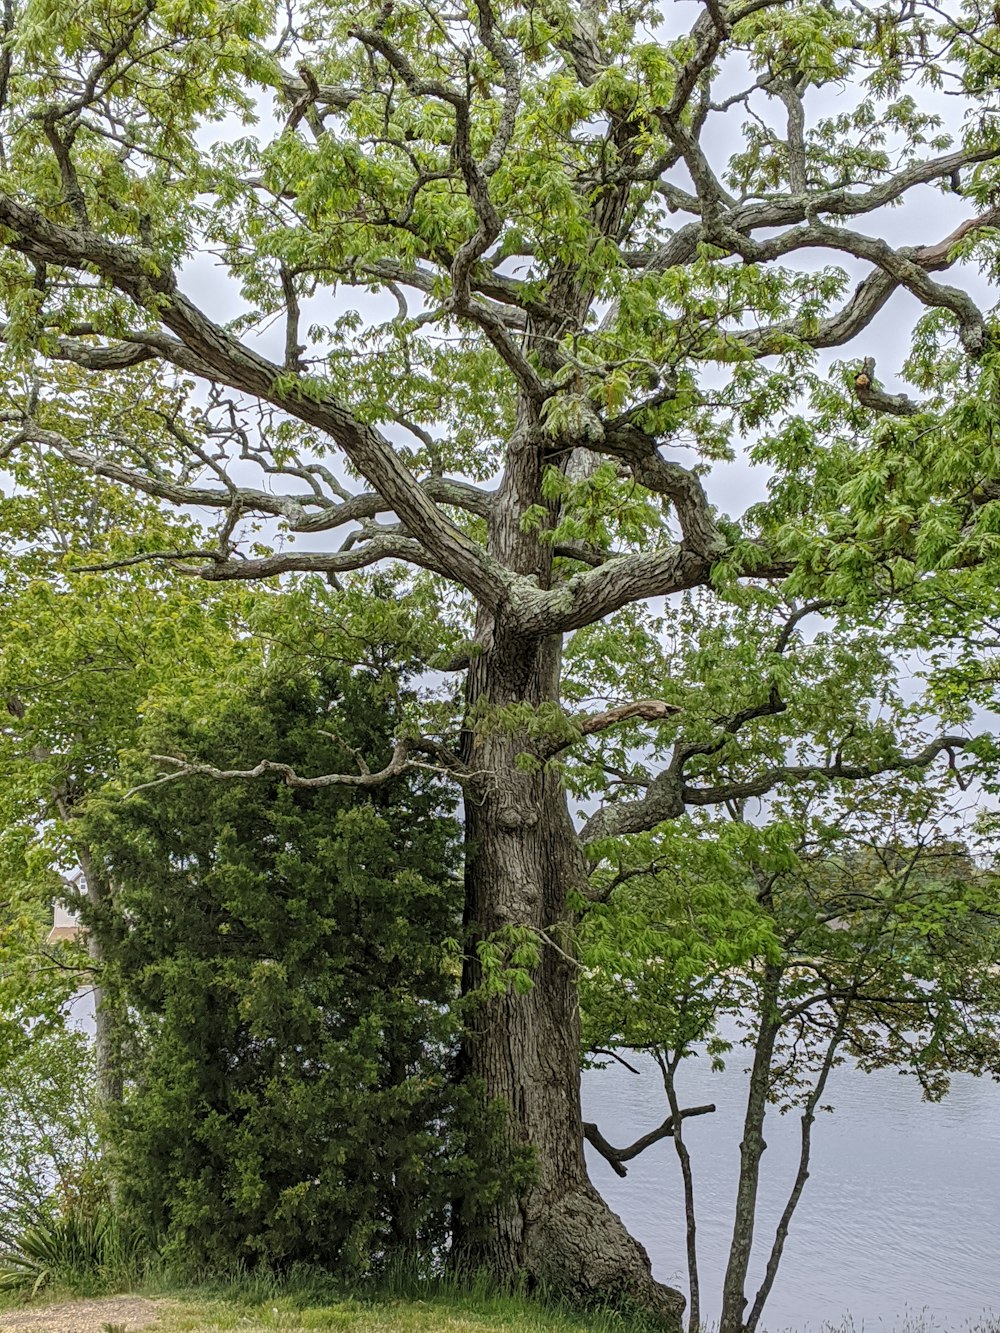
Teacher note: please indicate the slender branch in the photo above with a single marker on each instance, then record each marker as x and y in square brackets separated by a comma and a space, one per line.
[837, 771]
[668, 796]
[617, 1157]
[613, 1055]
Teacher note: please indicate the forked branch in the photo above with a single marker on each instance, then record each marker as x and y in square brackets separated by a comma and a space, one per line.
[402, 760]
[617, 1157]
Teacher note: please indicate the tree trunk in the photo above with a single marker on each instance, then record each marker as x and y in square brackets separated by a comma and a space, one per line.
[668, 1067]
[751, 1151]
[108, 1021]
[801, 1175]
[523, 858]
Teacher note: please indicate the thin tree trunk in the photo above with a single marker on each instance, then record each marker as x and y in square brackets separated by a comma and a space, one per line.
[108, 1019]
[801, 1176]
[669, 1069]
[751, 1150]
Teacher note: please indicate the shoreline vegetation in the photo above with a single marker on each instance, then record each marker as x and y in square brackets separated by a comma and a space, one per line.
[263, 1304]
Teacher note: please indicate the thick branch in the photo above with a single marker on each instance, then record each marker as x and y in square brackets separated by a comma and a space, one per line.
[587, 597]
[240, 367]
[299, 90]
[871, 396]
[908, 267]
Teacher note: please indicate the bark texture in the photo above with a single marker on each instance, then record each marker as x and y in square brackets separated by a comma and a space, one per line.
[523, 858]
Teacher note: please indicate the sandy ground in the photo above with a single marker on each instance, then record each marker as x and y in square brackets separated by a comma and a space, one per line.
[82, 1316]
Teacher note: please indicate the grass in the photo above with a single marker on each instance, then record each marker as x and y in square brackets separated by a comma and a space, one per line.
[455, 1313]
[403, 1304]
[399, 1305]
[261, 1304]
[437, 1314]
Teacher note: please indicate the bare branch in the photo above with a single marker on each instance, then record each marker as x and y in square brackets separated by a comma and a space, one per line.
[668, 796]
[617, 1157]
[332, 95]
[365, 779]
[834, 772]
[613, 1055]
[590, 724]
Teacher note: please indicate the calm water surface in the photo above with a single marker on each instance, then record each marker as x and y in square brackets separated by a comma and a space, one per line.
[901, 1213]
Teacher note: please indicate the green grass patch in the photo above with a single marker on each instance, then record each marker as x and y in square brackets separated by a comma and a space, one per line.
[400, 1305]
[351, 1315]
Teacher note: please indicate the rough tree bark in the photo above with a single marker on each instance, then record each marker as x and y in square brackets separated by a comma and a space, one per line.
[523, 858]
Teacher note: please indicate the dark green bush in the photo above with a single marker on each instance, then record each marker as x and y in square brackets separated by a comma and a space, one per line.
[282, 953]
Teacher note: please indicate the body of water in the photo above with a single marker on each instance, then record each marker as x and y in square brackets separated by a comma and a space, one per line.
[900, 1215]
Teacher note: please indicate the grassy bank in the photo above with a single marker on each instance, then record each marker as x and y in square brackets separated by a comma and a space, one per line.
[198, 1311]
[261, 1305]
[264, 1306]
[450, 1314]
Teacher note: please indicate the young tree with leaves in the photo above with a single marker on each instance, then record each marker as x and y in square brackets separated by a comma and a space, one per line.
[829, 929]
[553, 257]
[80, 658]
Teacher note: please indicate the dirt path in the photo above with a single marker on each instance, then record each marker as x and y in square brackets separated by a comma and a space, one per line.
[134, 1312]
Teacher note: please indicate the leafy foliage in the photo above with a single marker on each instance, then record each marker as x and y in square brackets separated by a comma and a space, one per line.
[831, 928]
[282, 950]
[82, 1251]
[49, 1155]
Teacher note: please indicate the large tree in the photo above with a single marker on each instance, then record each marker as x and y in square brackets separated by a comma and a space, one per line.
[522, 256]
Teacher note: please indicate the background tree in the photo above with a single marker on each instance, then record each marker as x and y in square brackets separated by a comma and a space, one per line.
[81, 657]
[554, 256]
[50, 1153]
[829, 929]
